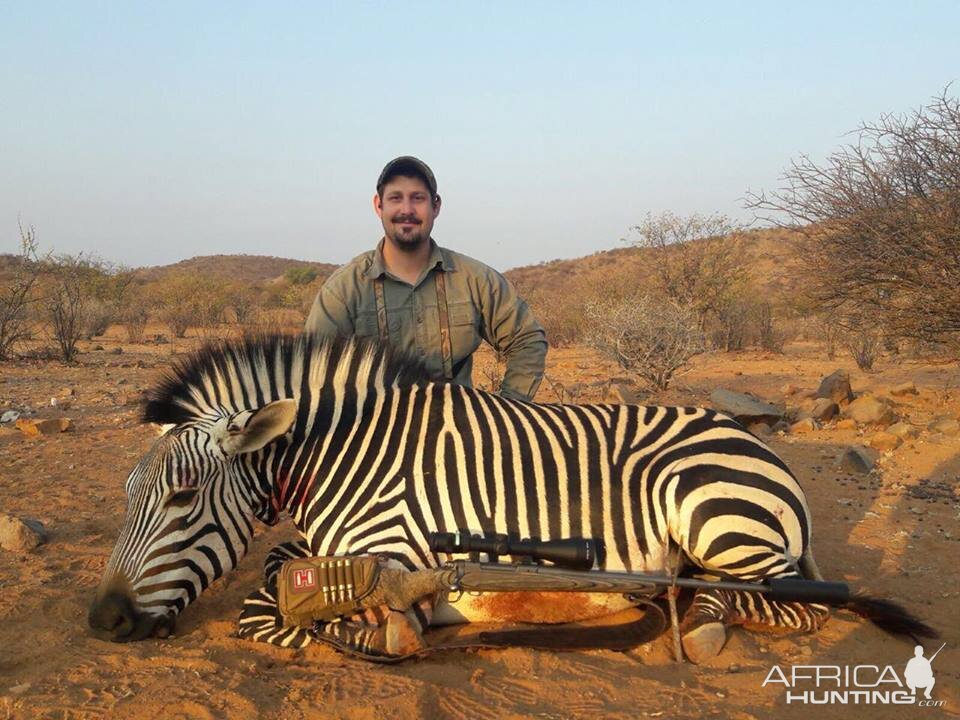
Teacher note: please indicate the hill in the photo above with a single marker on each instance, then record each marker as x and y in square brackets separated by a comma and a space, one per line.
[766, 253]
[241, 268]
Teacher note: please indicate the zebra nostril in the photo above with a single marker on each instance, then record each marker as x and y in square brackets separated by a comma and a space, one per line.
[113, 613]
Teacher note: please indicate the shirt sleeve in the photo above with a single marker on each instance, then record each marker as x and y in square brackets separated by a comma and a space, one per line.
[330, 314]
[509, 326]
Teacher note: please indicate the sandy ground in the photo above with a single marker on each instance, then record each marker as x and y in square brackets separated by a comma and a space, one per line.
[895, 532]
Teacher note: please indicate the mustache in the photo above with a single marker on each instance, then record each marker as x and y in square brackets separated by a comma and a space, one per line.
[397, 219]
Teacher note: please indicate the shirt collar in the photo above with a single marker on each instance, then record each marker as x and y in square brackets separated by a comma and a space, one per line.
[438, 256]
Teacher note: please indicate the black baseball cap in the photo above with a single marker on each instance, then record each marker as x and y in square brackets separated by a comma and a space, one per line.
[407, 166]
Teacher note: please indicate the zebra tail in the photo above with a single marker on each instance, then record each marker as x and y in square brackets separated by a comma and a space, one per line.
[889, 616]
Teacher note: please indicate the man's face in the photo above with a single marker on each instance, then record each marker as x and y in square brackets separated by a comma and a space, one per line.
[407, 211]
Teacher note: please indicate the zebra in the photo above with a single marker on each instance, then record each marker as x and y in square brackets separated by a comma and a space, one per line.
[367, 453]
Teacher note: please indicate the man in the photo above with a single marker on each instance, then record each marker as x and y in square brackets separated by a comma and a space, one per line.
[425, 300]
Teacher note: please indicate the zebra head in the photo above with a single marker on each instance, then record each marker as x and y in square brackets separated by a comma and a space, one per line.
[191, 502]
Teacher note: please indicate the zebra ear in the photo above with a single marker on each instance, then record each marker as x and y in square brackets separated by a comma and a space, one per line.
[252, 430]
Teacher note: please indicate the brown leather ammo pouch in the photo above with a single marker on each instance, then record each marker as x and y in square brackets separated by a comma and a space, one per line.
[325, 588]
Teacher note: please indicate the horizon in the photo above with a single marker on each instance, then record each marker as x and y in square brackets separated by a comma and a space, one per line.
[148, 136]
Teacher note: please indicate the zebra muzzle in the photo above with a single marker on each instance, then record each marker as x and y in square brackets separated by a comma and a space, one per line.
[114, 617]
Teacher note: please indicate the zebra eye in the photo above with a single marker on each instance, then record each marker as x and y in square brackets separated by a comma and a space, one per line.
[182, 498]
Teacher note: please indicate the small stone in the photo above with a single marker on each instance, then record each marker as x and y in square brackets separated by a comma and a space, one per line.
[824, 409]
[66, 392]
[625, 395]
[945, 424]
[806, 651]
[10, 416]
[907, 388]
[781, 426]
[61, 403]
[117, 351]
[20, 534]
[858, 460]
[884, 441]
[846, 424]
[49, 426]
[804, 426]
[869, 410]
[836, 387]
[790, 389]
[760, 430]
[903, 430]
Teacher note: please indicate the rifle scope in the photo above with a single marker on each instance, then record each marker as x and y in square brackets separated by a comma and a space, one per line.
[570, 553]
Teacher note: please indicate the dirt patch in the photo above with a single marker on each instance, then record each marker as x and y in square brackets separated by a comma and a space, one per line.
[894, 532]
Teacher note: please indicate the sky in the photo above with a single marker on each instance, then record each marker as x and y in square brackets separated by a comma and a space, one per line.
[146, 133]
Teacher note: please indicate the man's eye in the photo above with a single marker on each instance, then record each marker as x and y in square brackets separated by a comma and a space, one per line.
[182, 498]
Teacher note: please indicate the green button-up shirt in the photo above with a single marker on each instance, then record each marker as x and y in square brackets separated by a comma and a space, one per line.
[482, 306]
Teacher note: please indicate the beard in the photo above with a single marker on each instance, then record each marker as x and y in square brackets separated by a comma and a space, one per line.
[408, 242]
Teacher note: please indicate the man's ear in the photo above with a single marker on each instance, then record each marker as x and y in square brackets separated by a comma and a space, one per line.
[247, 433]
[378, 205]
[436, 205]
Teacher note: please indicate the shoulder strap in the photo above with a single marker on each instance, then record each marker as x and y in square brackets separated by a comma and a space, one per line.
[446, 347]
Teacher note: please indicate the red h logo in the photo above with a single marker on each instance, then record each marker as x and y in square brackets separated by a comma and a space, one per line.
[304, 579]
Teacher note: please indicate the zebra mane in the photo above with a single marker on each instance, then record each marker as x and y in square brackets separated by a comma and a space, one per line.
[226, 376]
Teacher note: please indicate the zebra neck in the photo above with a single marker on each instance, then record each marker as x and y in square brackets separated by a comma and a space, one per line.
[351, 463]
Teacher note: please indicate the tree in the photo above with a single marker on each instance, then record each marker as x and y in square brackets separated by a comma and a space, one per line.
[879, 222]
[18, 291]
[697, 263]
[653, 339]
[70, 282]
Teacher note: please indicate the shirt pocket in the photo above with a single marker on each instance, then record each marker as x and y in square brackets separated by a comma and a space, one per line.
[464, 335]
[366, 325]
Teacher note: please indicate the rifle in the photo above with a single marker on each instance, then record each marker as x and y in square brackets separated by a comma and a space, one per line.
[326, 588]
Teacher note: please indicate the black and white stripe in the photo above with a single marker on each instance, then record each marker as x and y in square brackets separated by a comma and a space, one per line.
[380, 455]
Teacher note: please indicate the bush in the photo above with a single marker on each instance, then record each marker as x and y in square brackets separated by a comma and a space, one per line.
[653, 339]
[18, 293]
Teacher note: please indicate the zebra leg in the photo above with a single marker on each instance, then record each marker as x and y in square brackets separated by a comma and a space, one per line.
[704, 627]
[380, 631]
[260, 618]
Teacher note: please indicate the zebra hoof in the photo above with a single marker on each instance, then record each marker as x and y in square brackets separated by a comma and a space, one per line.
[704, 642]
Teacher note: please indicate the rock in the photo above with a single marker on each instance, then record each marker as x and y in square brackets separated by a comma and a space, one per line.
[20, 535]
[945, 424]
[790, 389]
[10, 416]
[781, 426]
[907, 388]
[884, 441]
[117, 351]
[625, 394]
[869, 410]
[858, 460]
[760, 429]
[66, 392]
[97, 347]
[8, 432]
[903, 430]
[824, 409]
[836, 387]
[804, 426]
[49, 426]
[846, 424]
[61, 403]
[744, 408]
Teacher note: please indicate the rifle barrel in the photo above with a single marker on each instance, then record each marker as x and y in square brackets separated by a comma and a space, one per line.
[493, 577]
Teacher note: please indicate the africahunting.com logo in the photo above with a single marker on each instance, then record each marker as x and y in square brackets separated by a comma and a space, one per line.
[859, 684]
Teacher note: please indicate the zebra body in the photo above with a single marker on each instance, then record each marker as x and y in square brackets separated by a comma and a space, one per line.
[368, 456]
